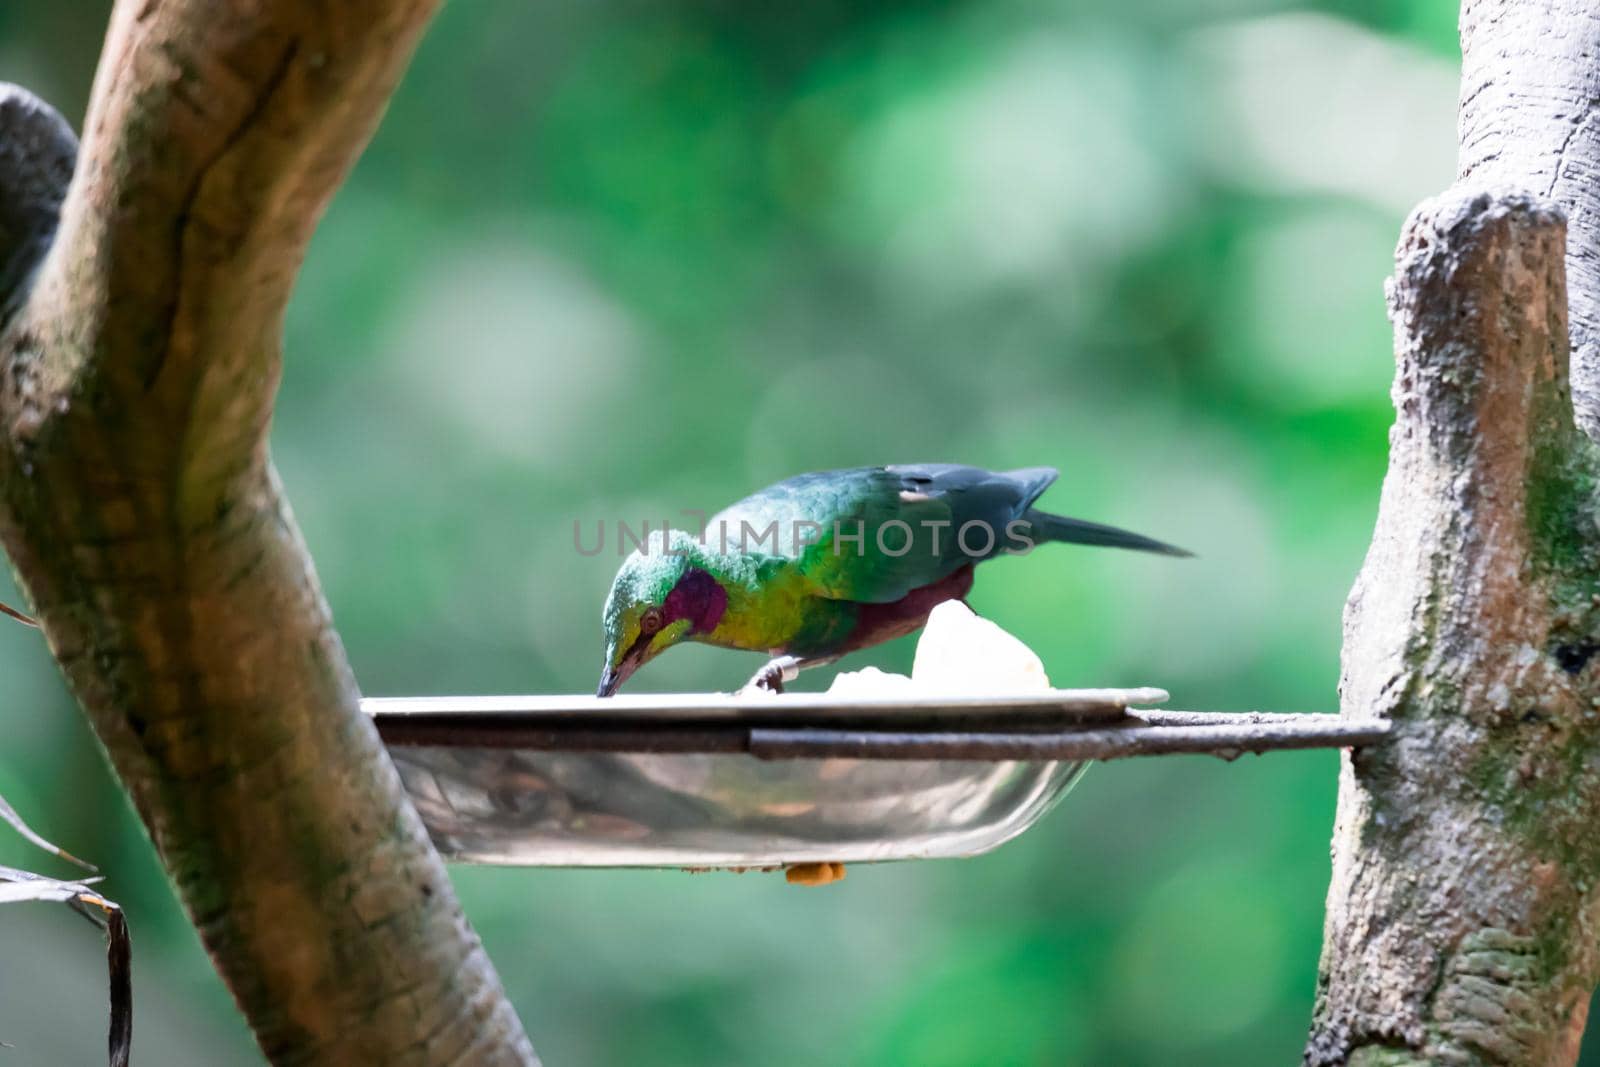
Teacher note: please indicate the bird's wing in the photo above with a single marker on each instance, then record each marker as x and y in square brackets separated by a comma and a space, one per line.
[874, 534]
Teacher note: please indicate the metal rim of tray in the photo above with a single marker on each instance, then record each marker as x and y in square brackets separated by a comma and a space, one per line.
[1054, 705]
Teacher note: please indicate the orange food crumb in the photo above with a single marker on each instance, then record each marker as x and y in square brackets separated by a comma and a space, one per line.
[813, 873]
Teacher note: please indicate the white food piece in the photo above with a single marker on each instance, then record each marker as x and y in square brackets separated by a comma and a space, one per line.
[871, 682]
[962, 653]
[958, 653]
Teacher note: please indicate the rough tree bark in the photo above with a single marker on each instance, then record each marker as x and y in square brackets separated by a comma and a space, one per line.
[1530, 83]
[1463, 920]
[138, 363]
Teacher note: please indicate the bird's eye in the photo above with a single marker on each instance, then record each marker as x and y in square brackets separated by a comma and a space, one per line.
[650, 621]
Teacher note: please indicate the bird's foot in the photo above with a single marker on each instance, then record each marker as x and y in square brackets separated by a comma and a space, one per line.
[770, 678]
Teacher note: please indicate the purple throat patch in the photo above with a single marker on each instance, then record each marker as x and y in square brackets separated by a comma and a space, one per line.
[699, 598]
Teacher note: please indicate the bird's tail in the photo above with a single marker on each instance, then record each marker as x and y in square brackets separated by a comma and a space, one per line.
[1048, 527]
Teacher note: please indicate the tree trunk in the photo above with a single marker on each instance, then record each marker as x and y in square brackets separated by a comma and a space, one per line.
[1463, 910]
[1530, 85]
[140, 358]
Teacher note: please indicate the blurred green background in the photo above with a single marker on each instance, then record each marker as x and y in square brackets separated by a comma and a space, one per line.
[609, 259]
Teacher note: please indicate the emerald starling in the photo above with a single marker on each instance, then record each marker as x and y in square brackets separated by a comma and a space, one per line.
[827, 563]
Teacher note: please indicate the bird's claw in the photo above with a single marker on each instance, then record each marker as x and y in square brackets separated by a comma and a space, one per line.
[770, 678]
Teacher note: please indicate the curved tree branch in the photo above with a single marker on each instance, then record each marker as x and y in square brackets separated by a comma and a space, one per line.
[140, 508]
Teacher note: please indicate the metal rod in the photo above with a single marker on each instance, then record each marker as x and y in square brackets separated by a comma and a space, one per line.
[1228, 741]
[1169, 717]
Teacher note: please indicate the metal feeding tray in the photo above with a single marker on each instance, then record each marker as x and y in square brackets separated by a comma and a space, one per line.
[713, 780]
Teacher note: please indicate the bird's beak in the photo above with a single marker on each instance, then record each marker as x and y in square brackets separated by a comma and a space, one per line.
[611, 678]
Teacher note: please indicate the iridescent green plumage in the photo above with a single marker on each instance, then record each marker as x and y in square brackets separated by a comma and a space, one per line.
[826, 563]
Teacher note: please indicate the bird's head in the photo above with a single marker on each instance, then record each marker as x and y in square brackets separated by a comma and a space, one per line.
[661, 595]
